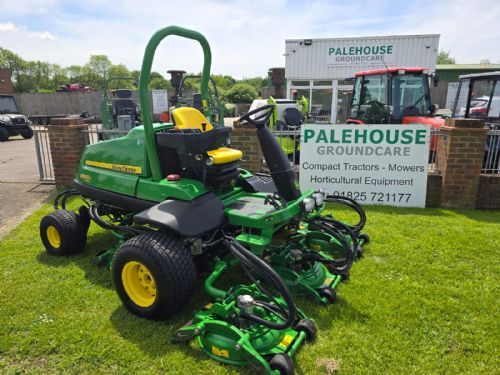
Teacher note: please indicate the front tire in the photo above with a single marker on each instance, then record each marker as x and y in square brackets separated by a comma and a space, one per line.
[63, 233]
[27, 134]
[154, 275]
[4, 135]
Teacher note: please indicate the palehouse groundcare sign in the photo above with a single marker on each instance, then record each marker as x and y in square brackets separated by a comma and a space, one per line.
[373, 164]
[365, 54]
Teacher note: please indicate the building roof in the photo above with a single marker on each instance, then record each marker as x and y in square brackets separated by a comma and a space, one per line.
[480, 75]
[391, 70]
[468, 67]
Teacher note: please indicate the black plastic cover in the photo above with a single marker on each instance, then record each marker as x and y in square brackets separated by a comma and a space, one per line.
[193, 142]
[188, 219]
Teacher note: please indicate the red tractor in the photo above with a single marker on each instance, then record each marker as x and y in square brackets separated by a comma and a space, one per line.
[394, 96]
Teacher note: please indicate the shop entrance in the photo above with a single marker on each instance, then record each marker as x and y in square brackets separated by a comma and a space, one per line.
[328, 100]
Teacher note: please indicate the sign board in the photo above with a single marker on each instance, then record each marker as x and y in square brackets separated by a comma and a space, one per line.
[451, 95]
[361, 54]
[160, 101]
[373, 164]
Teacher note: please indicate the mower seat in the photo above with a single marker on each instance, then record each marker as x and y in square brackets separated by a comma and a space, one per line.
[293, 117]
[190, 118]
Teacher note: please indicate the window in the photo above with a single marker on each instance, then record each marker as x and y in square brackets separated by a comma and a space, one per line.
[461, 103]
[494, 111]
[321, 103]
[300, 83]
[322, 83]
[409, 95]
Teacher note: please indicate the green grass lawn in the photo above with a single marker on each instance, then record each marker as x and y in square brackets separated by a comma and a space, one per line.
[423, 300]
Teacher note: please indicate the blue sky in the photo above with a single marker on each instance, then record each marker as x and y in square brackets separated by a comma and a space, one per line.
[246, 37]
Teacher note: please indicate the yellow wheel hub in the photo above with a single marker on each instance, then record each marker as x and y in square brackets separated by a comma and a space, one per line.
[54, 237]
[139, 283]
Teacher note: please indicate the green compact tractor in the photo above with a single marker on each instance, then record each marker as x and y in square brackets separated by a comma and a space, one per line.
[173, 195]
[119, 111]
[213, 104]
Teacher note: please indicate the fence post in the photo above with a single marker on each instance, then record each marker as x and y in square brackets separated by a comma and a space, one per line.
[67, 141]
[460, 157]
[245, 139]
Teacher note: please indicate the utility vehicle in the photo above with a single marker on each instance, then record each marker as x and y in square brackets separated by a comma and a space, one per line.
[12, 122]
[478, 96]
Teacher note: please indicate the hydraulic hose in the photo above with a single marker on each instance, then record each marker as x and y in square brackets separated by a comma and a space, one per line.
[341, 265]
[94, 215]
[349, 202]
[265, 272]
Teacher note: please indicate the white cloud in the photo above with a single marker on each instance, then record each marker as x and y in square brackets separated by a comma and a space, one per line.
[44, 35]
[7, 26]
[246, 38]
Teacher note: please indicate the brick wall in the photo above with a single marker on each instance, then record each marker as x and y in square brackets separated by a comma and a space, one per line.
[460, 156]
[433, 198]
[67, 141]
[6, 86]
[488, 195]
[245, 139]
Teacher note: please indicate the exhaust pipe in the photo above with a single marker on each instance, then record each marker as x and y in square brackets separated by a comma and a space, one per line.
[278, 164]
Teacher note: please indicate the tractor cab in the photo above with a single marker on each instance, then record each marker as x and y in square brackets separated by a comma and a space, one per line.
[391, 96]
[478, 96]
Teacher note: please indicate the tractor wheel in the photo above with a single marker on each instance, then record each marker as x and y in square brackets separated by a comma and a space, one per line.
[63, 233]
[282, 363]
[307, 326]
[27, 134]
[154, 275]
[365, 237]
[360, 252]
[4, 135]
[329, 293]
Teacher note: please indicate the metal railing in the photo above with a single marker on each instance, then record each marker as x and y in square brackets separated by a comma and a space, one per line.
[492, 153]
[43, 155]
[95, 133]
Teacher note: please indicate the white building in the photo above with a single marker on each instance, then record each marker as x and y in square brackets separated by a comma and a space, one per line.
[319, 68]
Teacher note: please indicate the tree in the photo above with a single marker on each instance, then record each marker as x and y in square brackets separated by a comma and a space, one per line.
[256, 82]
[121, 71]
[444, 58]
[159, 83]
[485, 61]
[96, 71]
[74, 72]
[241, 93]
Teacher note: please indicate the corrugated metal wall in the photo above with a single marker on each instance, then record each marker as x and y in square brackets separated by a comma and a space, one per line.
[313, 61]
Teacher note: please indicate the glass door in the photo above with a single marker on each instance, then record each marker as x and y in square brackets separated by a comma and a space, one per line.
[343, 102]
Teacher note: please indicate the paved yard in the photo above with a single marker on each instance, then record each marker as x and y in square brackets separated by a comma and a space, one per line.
[20, 189]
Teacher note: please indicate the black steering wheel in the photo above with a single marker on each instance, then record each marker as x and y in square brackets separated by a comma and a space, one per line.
[261, 120]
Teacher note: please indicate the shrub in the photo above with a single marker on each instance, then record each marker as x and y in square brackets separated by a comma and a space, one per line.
[241, 93]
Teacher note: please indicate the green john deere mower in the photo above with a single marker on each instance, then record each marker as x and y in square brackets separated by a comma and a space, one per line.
[173, 195]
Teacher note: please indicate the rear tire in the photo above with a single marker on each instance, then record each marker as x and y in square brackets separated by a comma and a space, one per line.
[329, 293]
[63, 233]
[4, 135]
[282, 363]
[154, 275]
[27, 134]
[307, 326]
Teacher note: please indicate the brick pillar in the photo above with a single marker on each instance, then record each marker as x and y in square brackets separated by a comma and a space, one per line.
[460, 156]
[67, 142]
[245, 139]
